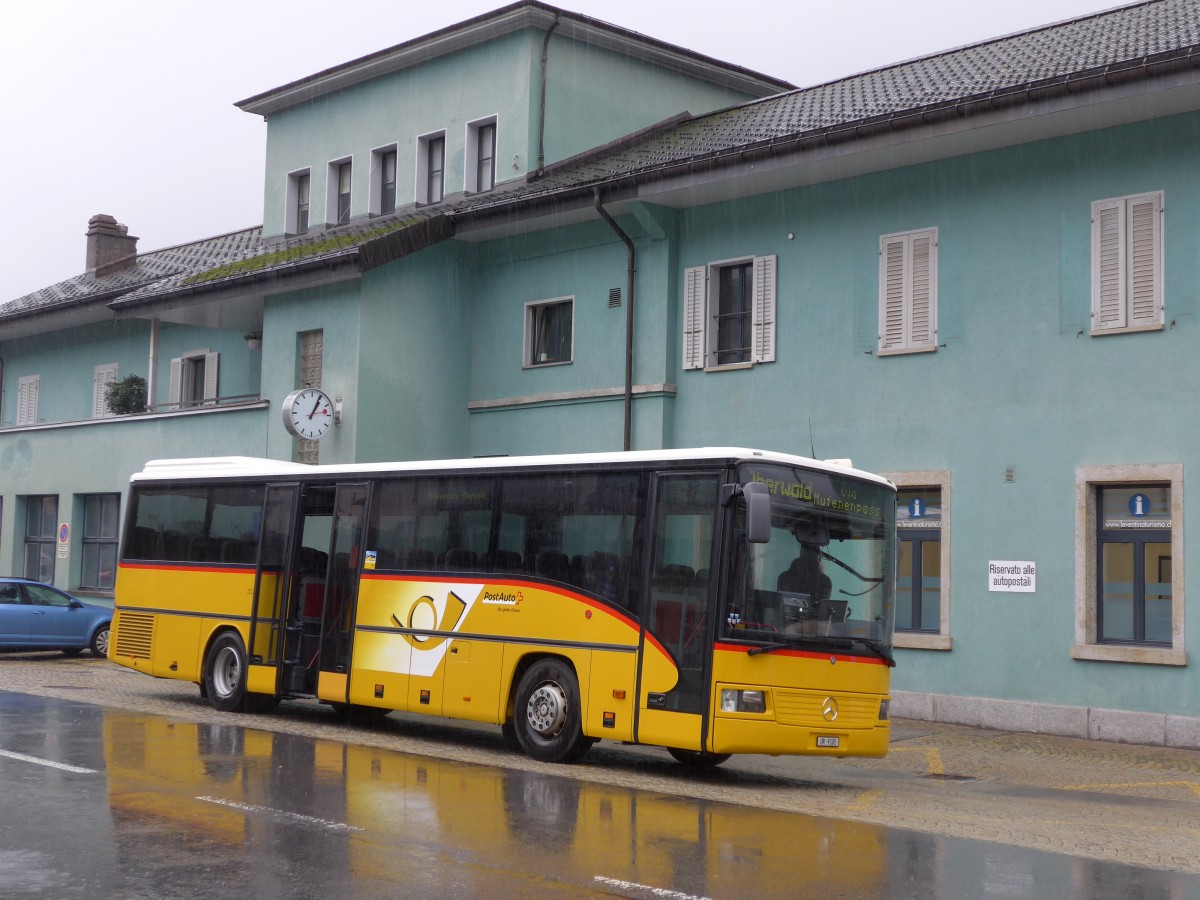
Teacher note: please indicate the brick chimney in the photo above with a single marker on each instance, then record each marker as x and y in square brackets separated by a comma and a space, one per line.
[110, 247]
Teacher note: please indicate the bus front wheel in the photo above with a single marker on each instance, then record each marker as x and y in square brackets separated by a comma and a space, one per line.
[546, 715]
[698, 759]
[225, 673]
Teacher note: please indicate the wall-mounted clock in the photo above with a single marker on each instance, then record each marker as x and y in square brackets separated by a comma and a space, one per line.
[307, 413]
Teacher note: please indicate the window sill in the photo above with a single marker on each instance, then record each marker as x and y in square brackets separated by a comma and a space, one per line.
[731, 367]
[547, 364]
[902, 351]
[912, 640]
[1154, 656]
[1132, 329]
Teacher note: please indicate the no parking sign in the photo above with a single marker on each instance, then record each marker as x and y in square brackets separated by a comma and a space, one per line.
[64, 539]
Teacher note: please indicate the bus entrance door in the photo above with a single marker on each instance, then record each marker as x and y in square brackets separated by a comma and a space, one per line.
[676, 656]
[341, 592]
[272, 642]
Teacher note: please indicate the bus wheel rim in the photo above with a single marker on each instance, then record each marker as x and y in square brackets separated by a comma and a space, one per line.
[547, 710]
[226, 672]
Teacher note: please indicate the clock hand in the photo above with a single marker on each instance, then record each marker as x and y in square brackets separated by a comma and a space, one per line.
[315, 407]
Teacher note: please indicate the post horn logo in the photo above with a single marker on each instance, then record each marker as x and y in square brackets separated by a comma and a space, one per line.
[829, 709]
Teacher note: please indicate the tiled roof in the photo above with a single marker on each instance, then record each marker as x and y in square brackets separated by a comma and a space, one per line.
[148, 269]
[1125, 42]
[1121, 39]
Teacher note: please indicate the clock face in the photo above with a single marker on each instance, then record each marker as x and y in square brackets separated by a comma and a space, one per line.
[307, 413]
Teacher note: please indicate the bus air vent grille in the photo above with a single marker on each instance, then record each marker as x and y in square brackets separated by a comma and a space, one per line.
[135, 635]
[805, 708]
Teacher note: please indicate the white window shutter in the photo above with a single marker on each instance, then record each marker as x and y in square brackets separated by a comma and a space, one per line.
[1108, 267]
[210, 377]
[1144, 218]
[694, 303]
[764, 309]
[27, 399]
[175, 392]
[891, 293]
[102, 377]
[923, 291]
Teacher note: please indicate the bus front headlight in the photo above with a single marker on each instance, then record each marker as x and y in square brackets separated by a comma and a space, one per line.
[734, 700]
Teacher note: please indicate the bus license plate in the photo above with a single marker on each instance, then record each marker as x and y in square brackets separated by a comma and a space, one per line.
[823, 741]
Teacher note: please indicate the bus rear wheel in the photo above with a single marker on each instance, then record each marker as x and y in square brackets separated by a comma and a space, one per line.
[225, 673]
[546, 715]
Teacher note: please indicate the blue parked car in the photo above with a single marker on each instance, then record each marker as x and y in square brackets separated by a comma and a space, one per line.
[36, 616]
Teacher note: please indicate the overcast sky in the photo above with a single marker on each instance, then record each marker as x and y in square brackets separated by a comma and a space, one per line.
[126, 106]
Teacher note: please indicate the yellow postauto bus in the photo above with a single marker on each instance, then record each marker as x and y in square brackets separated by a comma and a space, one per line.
[711, 601]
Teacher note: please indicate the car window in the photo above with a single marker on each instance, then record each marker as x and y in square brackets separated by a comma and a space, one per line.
[44, 596]
[9, 594]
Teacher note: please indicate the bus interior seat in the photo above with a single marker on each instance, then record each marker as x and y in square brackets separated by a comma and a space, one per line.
[552, 564]
[459, 559]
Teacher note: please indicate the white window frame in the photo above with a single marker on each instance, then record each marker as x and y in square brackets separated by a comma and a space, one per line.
[178, 373]
[471, 165]
[531, 308]
[421, 180]
[375, 202]
[332, 169]
[940, 479]
[700, 287]
[1127, 264]
[291, 209]
[102, 377]
[28, 388]
[1086, 646]
[908, 292]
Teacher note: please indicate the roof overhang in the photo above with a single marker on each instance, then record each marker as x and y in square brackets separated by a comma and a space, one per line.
[498, 24]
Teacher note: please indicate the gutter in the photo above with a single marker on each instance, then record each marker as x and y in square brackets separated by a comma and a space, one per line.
[629, 273]
[541, 158]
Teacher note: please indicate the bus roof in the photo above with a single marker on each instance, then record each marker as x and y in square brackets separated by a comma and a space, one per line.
[256, 467]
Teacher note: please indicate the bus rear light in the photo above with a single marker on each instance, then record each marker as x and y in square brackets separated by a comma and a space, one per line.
[618, 694]
[733, 700]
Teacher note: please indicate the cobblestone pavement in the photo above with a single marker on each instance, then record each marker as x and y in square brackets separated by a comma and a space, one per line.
[1125, 803]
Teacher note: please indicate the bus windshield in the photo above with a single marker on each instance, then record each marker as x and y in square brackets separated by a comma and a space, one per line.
[825, 579]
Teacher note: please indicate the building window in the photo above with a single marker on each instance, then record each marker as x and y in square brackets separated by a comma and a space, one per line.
[431, 167]
[1127, 263]
[908, 292]
[729, 313]
[102, 377]
[383, 181]
[1129, 595]
[297, 203]
[337, 204]
[549, 331]
[27, 399]
[923, 575]
[481, 155]
[194, 378]
[99, 569]
[41, 526]
[310, 347]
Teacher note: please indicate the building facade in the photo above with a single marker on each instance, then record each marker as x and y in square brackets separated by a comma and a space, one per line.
[966, 271]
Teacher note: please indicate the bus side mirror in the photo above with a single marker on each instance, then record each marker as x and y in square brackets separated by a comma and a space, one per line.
[758, 512]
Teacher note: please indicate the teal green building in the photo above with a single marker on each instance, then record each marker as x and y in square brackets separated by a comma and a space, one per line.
[535, 232]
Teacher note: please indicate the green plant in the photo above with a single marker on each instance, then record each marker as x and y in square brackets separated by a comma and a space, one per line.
[126, 396]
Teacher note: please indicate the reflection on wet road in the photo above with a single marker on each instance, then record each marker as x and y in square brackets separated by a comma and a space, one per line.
[104, 803]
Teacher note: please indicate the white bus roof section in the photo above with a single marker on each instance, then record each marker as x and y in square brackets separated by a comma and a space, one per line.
[255, 467]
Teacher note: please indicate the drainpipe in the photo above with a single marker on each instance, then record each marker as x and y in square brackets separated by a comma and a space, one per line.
[151, 374]
[541, 161]
[632, 267]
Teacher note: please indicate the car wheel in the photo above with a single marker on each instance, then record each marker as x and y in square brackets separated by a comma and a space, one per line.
[99, 645]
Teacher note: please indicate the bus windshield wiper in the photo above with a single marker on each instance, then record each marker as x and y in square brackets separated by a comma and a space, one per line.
[838, 641]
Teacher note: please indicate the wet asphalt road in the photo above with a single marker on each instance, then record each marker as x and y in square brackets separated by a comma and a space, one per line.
[179, 800]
